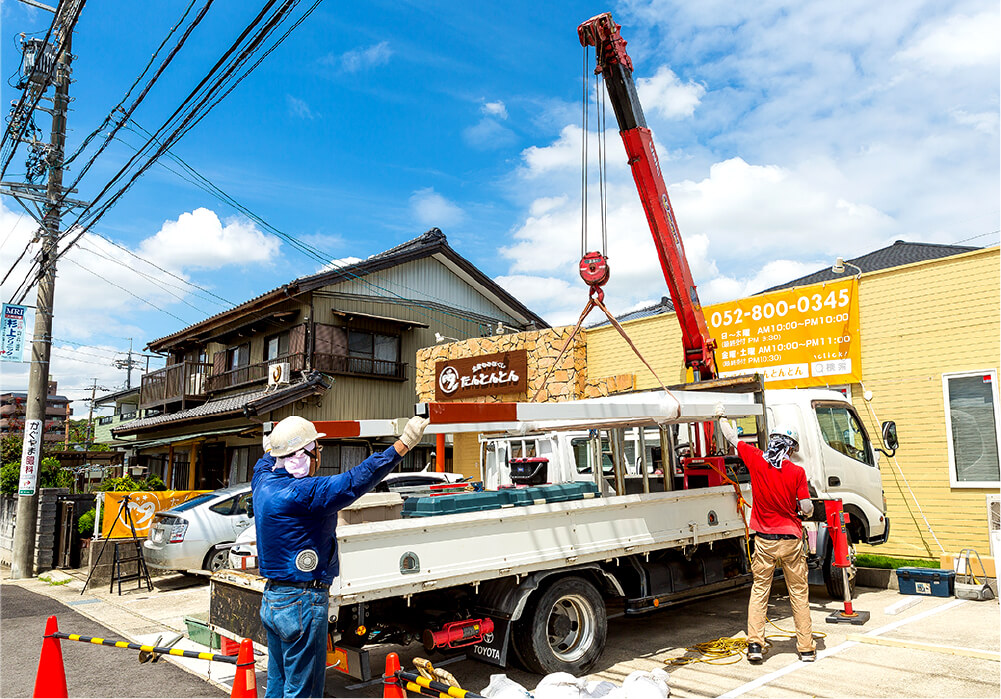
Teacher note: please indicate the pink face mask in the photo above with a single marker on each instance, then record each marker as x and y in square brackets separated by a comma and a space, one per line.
[297, 464]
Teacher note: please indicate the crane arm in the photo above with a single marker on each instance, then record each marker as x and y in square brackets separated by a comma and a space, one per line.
[617, 68]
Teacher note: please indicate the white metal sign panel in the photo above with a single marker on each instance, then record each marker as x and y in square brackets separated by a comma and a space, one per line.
[31, 457]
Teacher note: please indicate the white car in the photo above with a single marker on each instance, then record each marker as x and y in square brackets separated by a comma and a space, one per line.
[243, 554]
[196, 534]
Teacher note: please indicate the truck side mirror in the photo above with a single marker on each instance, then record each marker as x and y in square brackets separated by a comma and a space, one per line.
[890, 437]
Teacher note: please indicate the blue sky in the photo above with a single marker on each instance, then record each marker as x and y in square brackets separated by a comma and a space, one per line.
[789, 133]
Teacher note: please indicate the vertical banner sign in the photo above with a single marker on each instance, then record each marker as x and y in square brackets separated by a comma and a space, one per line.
[12, 334]
[31, 457]
[799, 337]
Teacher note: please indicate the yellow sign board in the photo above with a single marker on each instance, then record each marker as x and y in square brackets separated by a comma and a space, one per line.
[798, 337]
[142, 506]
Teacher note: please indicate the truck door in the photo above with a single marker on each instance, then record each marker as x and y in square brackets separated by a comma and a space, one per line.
[848, 458]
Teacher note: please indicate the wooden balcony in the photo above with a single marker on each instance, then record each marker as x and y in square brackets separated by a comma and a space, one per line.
[177, 383]
[254, 373]
[360, 366]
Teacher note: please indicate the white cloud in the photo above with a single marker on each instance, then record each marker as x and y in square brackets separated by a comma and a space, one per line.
[364, 58]
[488, 134]
[494, 109]
[961, 41]
[800, 132]
[199, 240]
[299, 108]
[432, 209]
[665, 94]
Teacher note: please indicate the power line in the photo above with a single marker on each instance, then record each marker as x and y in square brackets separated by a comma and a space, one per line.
[127, 291]
[982, 235]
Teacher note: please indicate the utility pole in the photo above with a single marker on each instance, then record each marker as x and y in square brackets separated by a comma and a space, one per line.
[23, 555]
[90, 415]
[129, 364]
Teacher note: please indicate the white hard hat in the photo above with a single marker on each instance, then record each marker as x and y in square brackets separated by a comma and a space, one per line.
[784, 429]
[292, 434]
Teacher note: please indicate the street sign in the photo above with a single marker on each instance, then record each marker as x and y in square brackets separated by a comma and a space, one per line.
[31, 457]
[12, 333]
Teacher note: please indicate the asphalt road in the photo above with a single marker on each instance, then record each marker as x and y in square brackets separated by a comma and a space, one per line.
[91, 671]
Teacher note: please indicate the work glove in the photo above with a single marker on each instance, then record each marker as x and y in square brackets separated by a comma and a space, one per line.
[728, 430]
[413, 431]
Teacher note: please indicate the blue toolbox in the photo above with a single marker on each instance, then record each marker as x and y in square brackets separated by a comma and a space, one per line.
[935, 582]
[496, 499]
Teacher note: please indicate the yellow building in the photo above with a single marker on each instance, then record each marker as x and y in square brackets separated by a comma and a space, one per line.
[930, 351]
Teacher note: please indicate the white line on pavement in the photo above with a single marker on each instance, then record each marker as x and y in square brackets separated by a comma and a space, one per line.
[761, 681]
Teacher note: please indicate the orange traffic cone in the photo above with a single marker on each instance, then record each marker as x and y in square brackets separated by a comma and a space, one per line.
[51, 678]
[391, 688]
[245, 682]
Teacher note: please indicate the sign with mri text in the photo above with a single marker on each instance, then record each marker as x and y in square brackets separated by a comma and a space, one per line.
[487, 374]
[12, 333]
[799, 337]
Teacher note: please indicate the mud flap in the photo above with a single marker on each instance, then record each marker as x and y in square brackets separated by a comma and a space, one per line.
[493, 649]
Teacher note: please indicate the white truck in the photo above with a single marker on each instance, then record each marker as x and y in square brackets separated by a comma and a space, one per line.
[549, 575]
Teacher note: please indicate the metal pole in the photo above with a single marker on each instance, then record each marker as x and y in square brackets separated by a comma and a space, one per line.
[642, 462]
[90, 415]
[23, 554]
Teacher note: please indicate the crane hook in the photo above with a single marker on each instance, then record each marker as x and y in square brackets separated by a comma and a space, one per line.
[594, 271]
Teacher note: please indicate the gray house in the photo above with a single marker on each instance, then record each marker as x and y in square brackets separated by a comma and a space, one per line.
[338, 345]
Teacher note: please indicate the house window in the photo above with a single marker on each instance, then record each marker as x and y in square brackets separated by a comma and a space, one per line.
[239, 465]
[275, 346]
[237, 357]
[971, 426]
[373, 353]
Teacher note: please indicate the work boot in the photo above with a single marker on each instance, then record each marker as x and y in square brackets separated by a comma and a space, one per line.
[754, 653]
[808, 656]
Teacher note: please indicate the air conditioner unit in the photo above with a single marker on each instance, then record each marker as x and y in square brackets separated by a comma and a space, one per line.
[279, 374]
[994, 524]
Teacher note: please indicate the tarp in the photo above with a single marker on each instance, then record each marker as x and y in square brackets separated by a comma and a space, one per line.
[141, 506]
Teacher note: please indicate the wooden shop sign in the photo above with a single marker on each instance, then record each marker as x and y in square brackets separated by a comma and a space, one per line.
[486, 375]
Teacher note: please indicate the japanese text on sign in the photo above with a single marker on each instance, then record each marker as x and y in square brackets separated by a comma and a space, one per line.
[31, 457]
[142, 506]
[12, 333]
[804, 336]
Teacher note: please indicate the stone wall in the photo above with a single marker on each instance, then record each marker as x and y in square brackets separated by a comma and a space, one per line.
[547, 380]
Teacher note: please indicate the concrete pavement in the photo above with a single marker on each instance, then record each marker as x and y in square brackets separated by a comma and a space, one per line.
[91, 671]
[845, 667]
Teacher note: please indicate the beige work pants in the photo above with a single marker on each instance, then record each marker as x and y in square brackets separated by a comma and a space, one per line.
[790, 555]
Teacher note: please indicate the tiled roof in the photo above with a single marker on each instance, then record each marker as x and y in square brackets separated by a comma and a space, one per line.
[900, 253]
[228, 405]
[664, 306]
[426, 244]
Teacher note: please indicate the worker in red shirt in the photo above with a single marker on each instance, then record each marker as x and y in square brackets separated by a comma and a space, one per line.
[780, 498]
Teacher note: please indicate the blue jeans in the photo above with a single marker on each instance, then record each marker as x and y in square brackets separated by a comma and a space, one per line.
[296, 622]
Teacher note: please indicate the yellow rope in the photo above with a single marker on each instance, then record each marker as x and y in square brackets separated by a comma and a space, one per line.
[721, 650]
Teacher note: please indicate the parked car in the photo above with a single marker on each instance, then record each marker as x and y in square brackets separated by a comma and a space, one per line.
[195, 534]
[243, 553]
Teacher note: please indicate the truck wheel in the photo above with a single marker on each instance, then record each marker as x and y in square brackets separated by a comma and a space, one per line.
[563, 628]
[833, 578]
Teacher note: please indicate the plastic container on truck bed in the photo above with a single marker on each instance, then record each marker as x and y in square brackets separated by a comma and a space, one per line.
[496, 499]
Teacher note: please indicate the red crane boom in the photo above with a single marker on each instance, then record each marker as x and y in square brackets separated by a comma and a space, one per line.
[617, 68]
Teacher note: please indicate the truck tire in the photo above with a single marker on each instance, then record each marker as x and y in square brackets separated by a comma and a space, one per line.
[833, 579]
[563, 628]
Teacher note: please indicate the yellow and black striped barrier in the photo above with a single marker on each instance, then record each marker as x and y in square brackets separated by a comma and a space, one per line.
[160, 650]
[419, 684]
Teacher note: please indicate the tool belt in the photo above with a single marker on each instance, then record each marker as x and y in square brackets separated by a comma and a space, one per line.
[303, 584]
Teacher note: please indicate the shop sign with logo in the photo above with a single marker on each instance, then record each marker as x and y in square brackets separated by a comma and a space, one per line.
[488, 374]
[799, 337]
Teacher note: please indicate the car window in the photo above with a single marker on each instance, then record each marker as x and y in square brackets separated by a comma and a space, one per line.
[843, 432]
[225, 507]
[194, 502]
[245, 505]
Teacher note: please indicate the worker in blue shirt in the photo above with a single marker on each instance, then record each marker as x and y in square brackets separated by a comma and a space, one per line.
[296, 518]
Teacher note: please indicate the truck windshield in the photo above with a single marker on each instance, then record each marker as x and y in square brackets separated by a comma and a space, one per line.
[843, 432]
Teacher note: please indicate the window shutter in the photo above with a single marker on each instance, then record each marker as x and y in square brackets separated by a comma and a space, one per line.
[331, 348]
[218, 363]
[297, 339]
